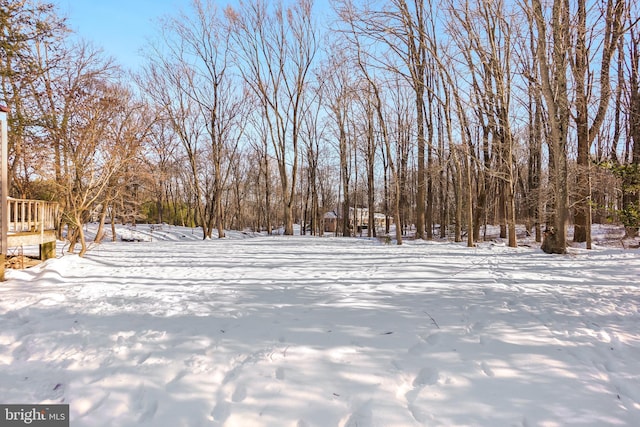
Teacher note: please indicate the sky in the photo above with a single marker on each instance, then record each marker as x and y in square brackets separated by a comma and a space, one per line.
[120, 27]
[124, 27]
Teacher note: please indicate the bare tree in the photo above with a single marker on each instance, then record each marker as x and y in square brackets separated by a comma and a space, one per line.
[202, 42]
[339, 88]
[483, 34]
[166, 81]
[31, 45]
[105, 138]
[586, 131]
[553, 43]
[79, 101]
[130, 125]
[626, 165]
[160, 163]
[402, 28]
[189, 77]
[276, 48]
[379, 106]
[313, 136]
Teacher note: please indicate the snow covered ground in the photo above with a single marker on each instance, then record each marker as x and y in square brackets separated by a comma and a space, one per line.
[300, 331]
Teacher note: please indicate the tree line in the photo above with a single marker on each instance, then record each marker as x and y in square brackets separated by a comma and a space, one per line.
[445, 116]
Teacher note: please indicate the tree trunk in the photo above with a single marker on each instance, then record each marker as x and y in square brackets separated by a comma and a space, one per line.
[83, 242]
[554, 91]
[100, 231]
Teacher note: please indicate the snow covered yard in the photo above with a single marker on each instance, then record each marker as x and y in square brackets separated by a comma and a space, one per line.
[296, 331]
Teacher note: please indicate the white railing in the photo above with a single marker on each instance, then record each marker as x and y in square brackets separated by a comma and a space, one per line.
[32, 216]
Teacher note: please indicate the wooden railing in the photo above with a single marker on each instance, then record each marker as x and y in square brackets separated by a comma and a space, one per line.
[32, 216]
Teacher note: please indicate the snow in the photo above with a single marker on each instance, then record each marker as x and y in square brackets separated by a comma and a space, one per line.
[301, 331]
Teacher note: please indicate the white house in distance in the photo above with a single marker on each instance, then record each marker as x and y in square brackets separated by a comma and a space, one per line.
[357, 216]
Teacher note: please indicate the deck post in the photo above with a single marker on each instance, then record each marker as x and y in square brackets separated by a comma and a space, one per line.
[4, 189]
[47, 250]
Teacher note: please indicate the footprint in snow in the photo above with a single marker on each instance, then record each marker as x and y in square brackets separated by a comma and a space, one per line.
[418, 414]
[426, 376]
[144, 358]
[95, 405]
[433, 339]
[487, 369]
[149, 411]
[146, 404]
[221, 412]
[176, 379]
[21, 353]
[240, 394]
[362, 417]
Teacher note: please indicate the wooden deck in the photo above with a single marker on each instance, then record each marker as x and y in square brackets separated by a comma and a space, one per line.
[22, 222]
[32, 222]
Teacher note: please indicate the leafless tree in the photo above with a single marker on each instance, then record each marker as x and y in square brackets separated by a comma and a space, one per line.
[160, 162]
[340, 91]
[482, 32]
[553, 44]
[166, 82]
[32, 43]
[276, 47]
[402, 28]
[104, 140]
[612, 22]
[383, 129]
[193, 62]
